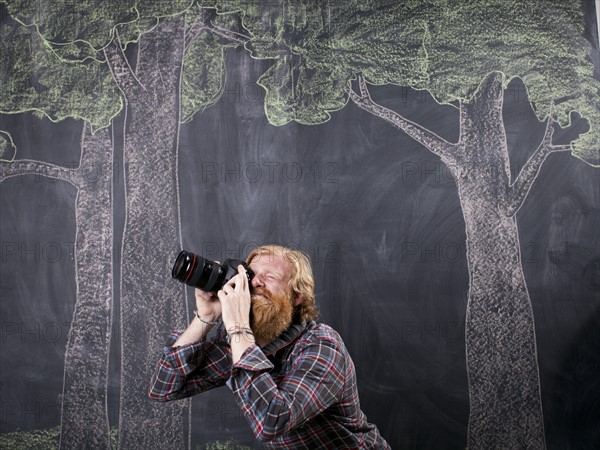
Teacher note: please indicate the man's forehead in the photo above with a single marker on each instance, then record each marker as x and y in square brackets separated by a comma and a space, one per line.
[270, 260]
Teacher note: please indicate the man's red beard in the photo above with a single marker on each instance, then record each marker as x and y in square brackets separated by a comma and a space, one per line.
[271, 314]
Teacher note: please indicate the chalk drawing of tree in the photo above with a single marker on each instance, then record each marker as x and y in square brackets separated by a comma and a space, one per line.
[464, 54]
[176, 70]
[35, 80]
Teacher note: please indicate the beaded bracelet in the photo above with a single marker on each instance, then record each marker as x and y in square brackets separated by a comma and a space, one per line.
[244, 331]
[238, 330]
[204, 321]
[235, 331]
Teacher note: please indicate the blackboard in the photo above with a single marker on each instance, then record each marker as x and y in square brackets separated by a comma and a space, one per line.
[379, 215]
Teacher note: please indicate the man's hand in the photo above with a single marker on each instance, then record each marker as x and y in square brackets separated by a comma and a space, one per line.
[235, 305]
[235, 301]
[208, 305]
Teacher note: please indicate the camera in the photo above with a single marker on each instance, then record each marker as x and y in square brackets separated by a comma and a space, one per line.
[204, 274]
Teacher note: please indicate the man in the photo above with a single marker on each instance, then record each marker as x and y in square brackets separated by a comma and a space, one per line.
[292, 378]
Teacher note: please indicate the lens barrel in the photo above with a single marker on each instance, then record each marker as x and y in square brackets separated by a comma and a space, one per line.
[204, 274]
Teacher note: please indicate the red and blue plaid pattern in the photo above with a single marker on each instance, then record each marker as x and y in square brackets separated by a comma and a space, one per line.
[298, 392]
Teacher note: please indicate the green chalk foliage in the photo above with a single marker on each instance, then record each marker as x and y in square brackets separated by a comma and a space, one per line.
[48, 439]
[318, 46]
[90, 22]
[203, 76]
[204, 72]
[53, 63]
[228, 445]
[541, 43]
[29, 440]
[444, 46]
[35, 79]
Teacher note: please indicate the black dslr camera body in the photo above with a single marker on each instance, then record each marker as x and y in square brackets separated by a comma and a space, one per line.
[204, 274]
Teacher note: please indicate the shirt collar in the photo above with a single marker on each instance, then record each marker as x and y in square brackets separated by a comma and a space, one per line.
[285, 338]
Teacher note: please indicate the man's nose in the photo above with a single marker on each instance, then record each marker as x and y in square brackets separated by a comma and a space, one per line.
[257, 281]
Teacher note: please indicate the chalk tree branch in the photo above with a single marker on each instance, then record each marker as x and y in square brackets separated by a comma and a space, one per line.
[516, 193]
[422, 135]
[33, 167]
[120, 69]
[205, 22]
[234, 36]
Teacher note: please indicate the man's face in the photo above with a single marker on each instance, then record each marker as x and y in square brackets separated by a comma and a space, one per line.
[272, 302]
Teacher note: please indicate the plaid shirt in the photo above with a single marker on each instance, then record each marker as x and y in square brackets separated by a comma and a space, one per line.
[297, 392]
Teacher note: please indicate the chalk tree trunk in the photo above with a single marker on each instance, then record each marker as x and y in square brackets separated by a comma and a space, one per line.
[504, 386]
[84, 415]
[151, 238]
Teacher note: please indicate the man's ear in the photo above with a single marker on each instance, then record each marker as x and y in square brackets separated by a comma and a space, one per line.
[298, 299]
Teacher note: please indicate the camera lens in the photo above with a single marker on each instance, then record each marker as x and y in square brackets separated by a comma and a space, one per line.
[182, 267]
[196, 271]
[204, 274]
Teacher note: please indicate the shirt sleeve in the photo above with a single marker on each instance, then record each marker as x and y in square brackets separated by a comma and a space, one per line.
[189, 369]
[315, 382]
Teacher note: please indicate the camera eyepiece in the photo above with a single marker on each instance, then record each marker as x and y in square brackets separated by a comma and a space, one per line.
[204, 274]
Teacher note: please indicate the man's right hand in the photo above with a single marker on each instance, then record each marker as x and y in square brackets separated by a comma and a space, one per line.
[208, 305]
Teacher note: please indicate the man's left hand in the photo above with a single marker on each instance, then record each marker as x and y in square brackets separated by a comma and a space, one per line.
[235, 301]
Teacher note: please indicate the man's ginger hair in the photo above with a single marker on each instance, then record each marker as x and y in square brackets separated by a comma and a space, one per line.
[302, 282]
